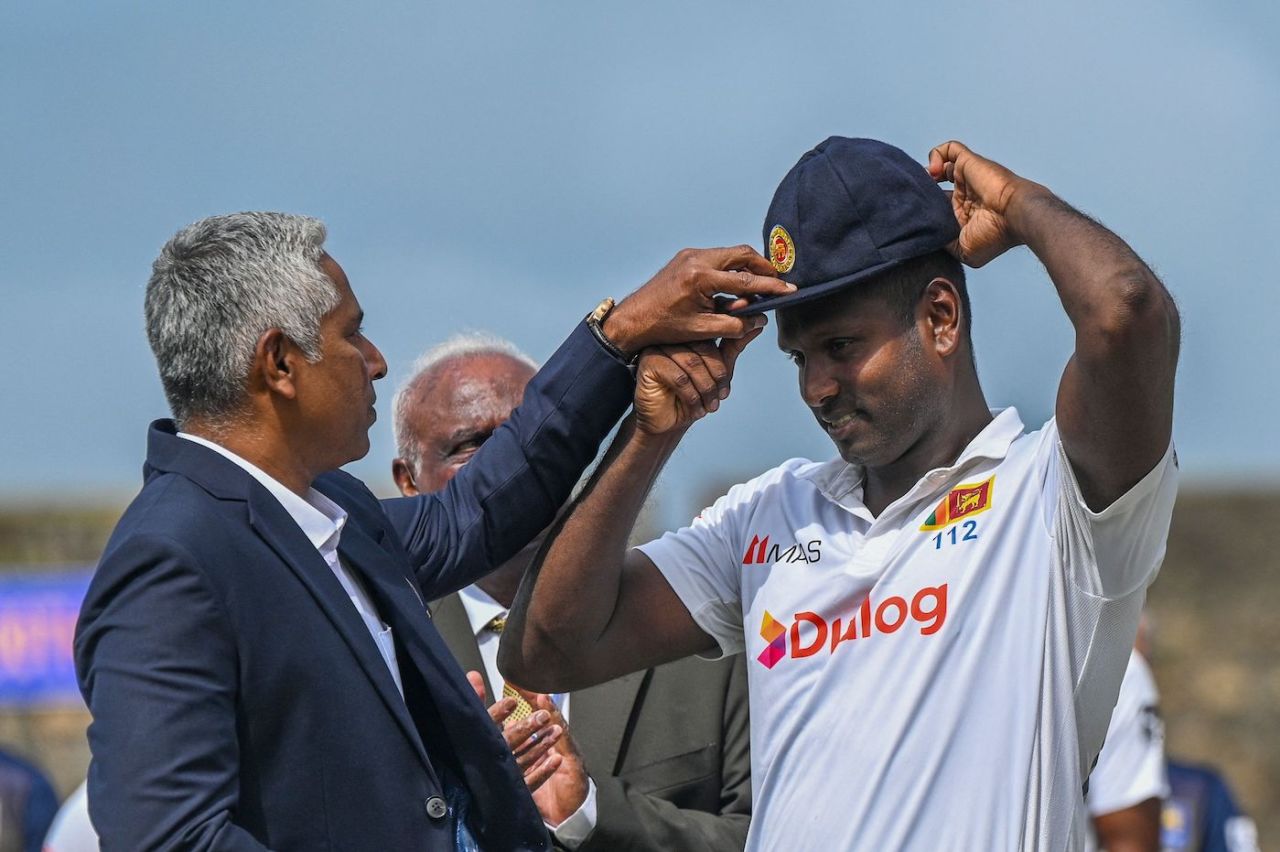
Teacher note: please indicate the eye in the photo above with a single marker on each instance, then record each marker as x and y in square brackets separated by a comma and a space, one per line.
[841, 345]
[467, 447]
[796, 358]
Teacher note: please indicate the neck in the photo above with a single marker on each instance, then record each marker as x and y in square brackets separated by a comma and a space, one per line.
[262, 448]
[939, 448]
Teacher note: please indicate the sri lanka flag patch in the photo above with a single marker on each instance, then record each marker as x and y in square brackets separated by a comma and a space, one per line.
[960, 502]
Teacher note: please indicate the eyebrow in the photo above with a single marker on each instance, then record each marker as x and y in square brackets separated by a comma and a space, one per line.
[468, 433]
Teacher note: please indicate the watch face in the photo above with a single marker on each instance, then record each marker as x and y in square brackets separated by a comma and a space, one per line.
[602, 310]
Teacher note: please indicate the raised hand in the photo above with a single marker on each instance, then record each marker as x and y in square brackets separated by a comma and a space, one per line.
[984, 193]
[678, 304]
[677, 385]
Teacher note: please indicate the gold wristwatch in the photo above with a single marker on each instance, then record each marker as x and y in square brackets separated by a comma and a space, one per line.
[595, 322]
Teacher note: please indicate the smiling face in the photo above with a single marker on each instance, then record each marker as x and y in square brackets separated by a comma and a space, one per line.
[335, 396]
[869, 377]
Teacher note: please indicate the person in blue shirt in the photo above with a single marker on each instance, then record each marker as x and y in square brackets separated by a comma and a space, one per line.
[27, 804]
[1201, 815]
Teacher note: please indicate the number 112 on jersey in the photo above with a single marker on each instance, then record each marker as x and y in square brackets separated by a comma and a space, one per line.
[968, 531]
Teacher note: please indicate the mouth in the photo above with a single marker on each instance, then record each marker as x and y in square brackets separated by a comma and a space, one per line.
[839, 427]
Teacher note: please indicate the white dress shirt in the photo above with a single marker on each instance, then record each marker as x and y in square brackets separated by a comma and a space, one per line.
[481, 609]
[321, 521]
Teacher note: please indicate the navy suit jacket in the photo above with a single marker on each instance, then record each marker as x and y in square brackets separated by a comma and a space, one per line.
[238, 700]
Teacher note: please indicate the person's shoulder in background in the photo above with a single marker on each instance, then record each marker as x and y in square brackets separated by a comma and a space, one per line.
[27, 804]
[1201, 813]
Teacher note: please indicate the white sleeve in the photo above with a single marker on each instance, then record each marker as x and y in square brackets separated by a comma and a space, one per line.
[703, 566]
[578, 825]
[1112, 553]
[1131, 768]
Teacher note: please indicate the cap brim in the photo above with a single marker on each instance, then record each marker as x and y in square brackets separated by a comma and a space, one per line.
[814, 291]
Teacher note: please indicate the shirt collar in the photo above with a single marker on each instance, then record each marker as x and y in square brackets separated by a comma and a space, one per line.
[481, 608]
[841, 482]
[320, 519]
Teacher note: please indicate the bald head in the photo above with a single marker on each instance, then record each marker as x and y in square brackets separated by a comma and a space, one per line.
[449, 409]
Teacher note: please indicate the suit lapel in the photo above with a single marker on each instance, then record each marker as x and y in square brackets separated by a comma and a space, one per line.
[269, 519]
[450, 618]
[601, 719]
[475, 740]
[400, 606]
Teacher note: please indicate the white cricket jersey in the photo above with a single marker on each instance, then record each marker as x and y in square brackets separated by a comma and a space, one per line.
[939, 677]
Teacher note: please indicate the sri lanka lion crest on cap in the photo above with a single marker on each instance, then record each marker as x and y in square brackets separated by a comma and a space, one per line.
[782, 251]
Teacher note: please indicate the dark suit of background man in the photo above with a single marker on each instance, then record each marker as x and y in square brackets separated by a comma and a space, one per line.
[658, 760]
[254, 647]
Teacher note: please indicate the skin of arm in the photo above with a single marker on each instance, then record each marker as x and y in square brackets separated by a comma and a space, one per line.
[1115, 400]
[589, 609]
[1134, 829]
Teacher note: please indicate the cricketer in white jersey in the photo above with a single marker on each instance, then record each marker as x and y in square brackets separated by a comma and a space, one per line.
[938, 620]
[966, 625]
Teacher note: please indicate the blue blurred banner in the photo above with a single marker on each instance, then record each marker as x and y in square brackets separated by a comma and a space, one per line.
[38, 613]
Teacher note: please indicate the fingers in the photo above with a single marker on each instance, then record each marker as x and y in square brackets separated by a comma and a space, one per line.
[518, 733]
[943, 158]
[541, 772]
[477, 683]
[670, 375]
[743, 283]
[705, 369]
[741, 257]
[500, 710]
[722, 325]
[537, 746]
[730, 348]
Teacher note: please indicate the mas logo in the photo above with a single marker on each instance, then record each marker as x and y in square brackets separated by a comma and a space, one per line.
[760, 553]
[811, 633]
[962, 501]
[782, 251]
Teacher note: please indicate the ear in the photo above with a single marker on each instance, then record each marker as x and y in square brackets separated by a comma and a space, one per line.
[275, 363]
[940, 311]
[402, 473]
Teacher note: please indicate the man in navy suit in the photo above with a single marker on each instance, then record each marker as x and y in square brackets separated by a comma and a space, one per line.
[254, 648]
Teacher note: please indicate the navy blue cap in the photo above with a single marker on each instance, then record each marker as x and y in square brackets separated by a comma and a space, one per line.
[849, 210]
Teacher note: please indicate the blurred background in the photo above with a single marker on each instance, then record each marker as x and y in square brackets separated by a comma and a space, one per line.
[505, 166]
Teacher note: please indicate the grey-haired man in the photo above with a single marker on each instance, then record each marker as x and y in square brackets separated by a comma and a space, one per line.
[255, 647]
[659, 760]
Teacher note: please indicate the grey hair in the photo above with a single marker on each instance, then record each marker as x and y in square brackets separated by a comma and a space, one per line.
[217, 285]
[458, 346]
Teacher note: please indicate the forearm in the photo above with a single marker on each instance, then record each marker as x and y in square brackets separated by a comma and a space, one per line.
[1113, 299]
[571, 592]
[523, 474]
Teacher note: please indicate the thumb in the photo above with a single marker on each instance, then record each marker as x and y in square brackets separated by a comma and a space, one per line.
[477, 683]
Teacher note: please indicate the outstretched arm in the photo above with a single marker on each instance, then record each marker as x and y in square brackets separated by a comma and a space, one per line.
[1115, 401]
[589, 609]
[526, 471]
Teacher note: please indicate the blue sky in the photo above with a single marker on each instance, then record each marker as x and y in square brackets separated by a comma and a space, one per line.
[504, 166]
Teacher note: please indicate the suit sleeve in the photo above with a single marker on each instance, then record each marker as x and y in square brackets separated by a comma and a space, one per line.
[522, 475]
[632, 821]
[157, 667]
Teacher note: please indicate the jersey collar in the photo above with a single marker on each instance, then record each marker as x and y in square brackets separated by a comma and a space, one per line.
[841, 482]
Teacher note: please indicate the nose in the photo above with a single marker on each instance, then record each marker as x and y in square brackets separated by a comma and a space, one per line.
[377, 365]
[816, 385]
